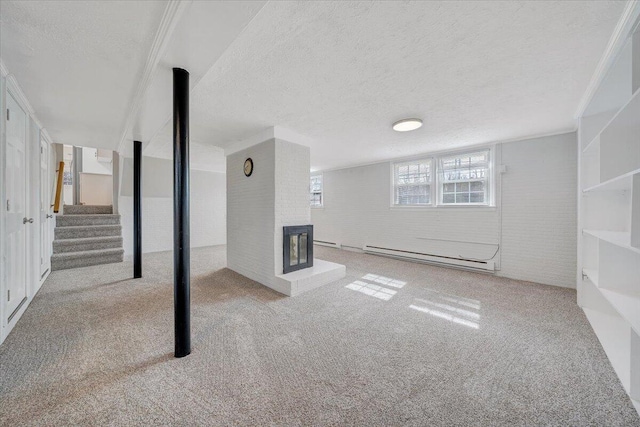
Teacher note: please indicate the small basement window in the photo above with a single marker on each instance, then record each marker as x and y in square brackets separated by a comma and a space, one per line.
[316, 191]
[412, 183]
[464, 178]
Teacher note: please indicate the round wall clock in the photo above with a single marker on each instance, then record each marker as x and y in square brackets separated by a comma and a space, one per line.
[248, 167]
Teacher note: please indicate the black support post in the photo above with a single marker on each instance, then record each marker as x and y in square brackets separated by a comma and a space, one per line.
[181, 242]
[137, 210]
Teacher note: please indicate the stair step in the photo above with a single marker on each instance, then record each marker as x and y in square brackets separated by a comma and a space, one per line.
[86, 244]
[67, 260]
[77, 232]
[87, 209]
[94, 219]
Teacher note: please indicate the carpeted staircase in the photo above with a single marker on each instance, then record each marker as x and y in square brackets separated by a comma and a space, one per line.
[86, 235]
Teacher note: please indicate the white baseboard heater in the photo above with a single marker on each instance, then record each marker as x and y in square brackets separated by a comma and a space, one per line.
[431, 258]
[325, 243]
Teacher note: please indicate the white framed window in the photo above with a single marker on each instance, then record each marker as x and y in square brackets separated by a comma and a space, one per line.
[315, 189]
[412, 182]
[465, 178]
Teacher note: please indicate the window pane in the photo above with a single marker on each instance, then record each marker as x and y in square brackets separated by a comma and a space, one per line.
[477, 186]
[316, 190]
[462, 198]
[412, 194]
[67, 177]
[465, 167]
[462, 186]
[477, 197]
[412, 183]
[463, 174]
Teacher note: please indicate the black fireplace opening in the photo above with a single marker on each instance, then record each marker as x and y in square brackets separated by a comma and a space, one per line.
[298, 247]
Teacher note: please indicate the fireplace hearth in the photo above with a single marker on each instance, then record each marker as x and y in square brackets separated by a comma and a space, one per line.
[297, 247]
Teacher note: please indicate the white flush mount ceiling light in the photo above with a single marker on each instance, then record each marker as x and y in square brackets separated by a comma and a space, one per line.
[405, 125]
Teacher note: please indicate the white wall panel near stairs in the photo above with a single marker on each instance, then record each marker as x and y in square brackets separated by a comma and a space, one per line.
[86, 235]
[609, 212]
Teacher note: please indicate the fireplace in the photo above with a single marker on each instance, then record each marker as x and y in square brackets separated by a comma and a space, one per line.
[298, 247]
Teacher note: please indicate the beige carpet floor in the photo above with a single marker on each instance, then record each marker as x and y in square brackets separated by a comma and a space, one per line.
[394, 343]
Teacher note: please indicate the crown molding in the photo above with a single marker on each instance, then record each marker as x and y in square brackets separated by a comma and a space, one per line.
[616, 42]
[45, 135]
[170, 18]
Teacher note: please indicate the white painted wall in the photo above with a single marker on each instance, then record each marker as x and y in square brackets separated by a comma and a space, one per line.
[208, 206]
[90, 163]
[3, 148]
[96, 184]
[291, 192]
[251, 213]
[276, 194]
[539, 210]
[536, 233]
[96, 189]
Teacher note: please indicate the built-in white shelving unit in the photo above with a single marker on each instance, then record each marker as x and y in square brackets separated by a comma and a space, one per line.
[609, 212]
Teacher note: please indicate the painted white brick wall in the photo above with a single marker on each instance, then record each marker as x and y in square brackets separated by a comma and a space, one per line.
[538, 223]
[539, 210]
[291, 192]
[207, 206]
[357, 212]
[251, 213]
[276, 194]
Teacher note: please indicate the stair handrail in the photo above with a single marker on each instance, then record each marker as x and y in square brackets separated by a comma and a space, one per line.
[56, 203]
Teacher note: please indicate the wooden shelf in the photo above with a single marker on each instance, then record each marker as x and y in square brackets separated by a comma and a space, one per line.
[618, 238]
[619, 183]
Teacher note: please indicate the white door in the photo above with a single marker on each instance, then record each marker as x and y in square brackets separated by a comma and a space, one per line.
[46, 213]
[17, 222]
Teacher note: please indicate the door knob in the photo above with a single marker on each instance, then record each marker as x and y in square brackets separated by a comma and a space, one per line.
[27, 220]
[49, 216]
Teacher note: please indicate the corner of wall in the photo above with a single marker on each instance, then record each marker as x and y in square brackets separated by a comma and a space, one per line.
[3, 289]
[116, 174]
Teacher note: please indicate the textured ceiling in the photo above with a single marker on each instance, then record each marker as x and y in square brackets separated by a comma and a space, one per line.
[78, 62]
[342, 72]
[337, 72]
[202, 33]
